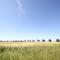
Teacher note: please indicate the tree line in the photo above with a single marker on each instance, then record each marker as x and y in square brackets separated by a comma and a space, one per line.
[43, 40]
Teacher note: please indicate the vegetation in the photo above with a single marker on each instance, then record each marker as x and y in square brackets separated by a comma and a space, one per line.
[57, 40]
[46, 51]
[43, 40]
[50, 40]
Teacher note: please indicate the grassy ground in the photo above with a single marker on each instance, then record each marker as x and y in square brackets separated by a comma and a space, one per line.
[27, 44]
[33, 51]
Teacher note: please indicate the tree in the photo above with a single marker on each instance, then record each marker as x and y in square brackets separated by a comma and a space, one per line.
[24, 40]
[57, 40]
[15, 40]
[43, 40]
[21, 40]
[0, 40]
[28, 40]
[33, 40]
[50, 40]
[38, 40]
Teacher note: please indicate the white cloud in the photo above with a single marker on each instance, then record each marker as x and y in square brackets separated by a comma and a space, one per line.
[19, 4]
[20, 9]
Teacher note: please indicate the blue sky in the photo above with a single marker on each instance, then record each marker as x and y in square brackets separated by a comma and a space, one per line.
[29, 19]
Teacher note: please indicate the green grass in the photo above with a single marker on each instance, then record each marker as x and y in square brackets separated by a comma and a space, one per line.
[30, 53]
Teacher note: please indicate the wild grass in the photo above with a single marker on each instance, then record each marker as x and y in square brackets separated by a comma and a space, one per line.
[49, 51]
[27, 44]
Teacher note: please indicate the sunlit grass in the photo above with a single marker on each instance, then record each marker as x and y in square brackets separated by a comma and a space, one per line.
[30, 51]
[27, 44]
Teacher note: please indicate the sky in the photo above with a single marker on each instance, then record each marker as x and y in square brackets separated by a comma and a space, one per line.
[29, 19]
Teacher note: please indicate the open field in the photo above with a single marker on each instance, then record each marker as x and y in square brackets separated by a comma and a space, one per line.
[28, 44]
[30, 51]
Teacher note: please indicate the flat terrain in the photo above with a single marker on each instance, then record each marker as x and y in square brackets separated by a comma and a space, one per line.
[28, 44]
[30, 51]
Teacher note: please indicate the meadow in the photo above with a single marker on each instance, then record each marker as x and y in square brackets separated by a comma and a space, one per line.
[29, 50]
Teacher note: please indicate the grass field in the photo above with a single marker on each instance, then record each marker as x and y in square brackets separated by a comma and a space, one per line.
[28, 44]
[30, 51]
